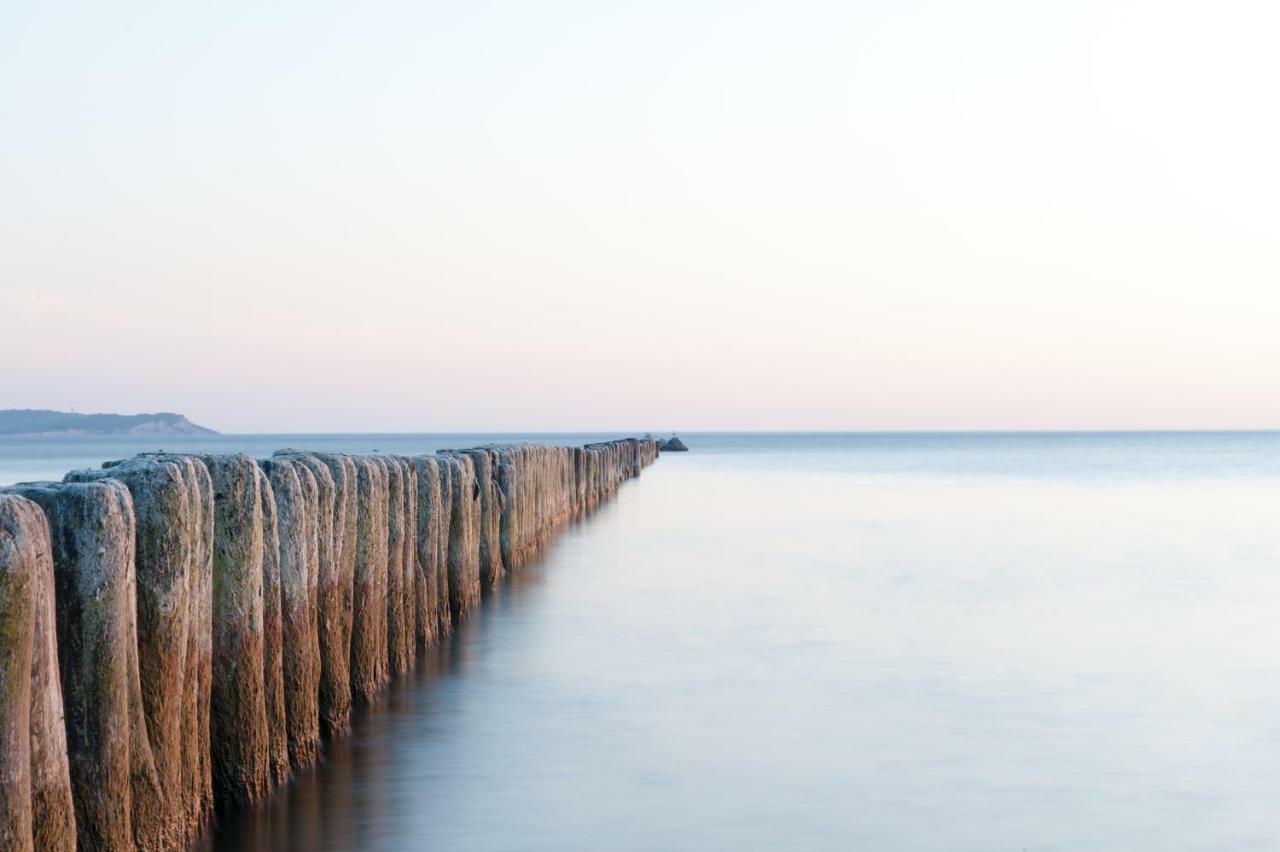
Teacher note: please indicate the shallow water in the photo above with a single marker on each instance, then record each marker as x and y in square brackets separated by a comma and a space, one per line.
[881, 642]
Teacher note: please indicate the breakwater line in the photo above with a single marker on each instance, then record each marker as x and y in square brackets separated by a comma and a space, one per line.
[177, 632]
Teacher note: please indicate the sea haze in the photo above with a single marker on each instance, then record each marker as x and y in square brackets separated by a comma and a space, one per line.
[885, 642]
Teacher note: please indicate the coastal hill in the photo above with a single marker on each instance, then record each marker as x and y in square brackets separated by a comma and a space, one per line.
[28, 421]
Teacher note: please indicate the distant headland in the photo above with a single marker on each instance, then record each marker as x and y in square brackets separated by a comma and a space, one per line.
[30, 421]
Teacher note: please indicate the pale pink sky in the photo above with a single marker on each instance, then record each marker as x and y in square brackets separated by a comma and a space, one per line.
[413, 217]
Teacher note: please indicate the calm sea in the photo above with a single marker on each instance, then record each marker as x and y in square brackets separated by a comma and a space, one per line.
[833, 642]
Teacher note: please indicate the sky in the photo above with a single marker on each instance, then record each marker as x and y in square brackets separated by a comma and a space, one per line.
[430, 216]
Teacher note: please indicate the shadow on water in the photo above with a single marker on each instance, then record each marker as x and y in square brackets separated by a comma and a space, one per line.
[340, 803]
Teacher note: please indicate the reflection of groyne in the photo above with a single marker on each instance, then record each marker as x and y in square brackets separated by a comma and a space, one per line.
[177, 632]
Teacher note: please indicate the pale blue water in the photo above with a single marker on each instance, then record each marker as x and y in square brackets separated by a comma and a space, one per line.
[879, 642]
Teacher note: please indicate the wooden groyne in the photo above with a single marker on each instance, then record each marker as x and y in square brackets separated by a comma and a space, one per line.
[178, 632]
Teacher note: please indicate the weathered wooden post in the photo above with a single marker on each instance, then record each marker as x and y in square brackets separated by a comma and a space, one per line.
[489, 516]
[120, 800]
[427, 544]
[297, 517]
[464, 544]
[336, 593]
[410, 560]
[326, 551]
[273, 636]
[507, 477]
[173, 509]
[369, 603]
[444, 615]
[240, 736]
[36, 810]
[400, 645]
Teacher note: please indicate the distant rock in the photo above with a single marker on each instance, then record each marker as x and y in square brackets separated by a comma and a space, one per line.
[673, 445]
[30, 421]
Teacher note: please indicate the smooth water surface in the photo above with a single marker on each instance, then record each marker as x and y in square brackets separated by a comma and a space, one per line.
[873, 642]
